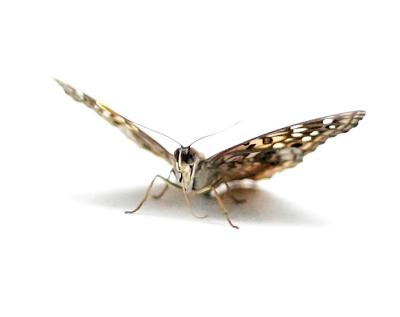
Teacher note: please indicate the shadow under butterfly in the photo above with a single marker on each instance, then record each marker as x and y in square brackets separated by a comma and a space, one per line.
[261, 206]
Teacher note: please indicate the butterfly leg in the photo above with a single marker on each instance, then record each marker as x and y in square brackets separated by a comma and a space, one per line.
[158, 196]
[146, 195]
[229, 192]
[221, 204]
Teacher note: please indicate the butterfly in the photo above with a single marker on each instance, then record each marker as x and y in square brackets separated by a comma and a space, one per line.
[255, 159]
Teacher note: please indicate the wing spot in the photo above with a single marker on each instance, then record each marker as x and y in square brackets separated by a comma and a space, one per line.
[278, 145]
[106, 114]
[296, 126]
[299, 130]
[279, 138]
[327, 121]
[117, 120]
[297, 135]
[332, 126]
[79, 95]
[306, 139]
[314, 133]
[266, 140]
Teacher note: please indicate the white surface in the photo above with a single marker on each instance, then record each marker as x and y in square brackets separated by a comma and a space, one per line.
[318, 240]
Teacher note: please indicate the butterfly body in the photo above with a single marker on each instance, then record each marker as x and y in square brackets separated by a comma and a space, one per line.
[185, 168]
[258, 158]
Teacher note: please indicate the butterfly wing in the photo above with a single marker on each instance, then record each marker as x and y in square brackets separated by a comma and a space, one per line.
[263, 156]
[130, 129]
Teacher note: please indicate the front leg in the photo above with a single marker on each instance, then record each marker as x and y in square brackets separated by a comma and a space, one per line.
[158, 196]
[146, 195]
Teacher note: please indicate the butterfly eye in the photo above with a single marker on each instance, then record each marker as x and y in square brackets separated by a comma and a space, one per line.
[190, 158]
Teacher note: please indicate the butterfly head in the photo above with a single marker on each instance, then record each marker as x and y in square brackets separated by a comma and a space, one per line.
[186, 160]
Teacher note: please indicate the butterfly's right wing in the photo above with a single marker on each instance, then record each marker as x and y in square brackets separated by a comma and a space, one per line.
[130, 129]
[263, 156]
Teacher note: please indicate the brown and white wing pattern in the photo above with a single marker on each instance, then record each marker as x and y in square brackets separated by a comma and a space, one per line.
[130, 129]
[275, 151]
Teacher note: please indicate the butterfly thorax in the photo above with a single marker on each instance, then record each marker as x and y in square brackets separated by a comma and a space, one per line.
[185, 167]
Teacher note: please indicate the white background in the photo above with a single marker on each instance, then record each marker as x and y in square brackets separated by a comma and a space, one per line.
[317, 240]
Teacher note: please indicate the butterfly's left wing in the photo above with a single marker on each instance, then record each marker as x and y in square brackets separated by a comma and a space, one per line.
[129, 128]
[263, 156]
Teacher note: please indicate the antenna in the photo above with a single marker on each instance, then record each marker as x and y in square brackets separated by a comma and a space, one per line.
[214, 133]
[163, 134]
